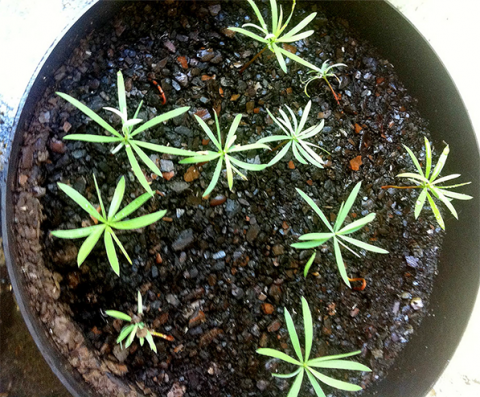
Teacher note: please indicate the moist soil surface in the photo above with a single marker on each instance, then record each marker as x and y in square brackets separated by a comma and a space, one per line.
[216, 274]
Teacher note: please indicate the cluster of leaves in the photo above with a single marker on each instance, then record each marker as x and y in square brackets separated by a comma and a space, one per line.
[324, 73]
[429, 184]
[125, 139]
[108, 222]
[224, 153]
[273, 38]
[135, 328]
[337, 233]
[307, 365]
[295, 137]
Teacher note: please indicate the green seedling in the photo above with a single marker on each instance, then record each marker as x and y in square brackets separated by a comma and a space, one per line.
[136, 327]
[273, 38]
[307, 365]
[337, 233]
[428, 182]
[295, 137]
[108, 222]
[324, 73]
[125, 139]
[225, 153]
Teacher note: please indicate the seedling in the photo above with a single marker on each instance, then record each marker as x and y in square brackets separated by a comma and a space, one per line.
[429, 184]
[295, 137]
[307, 365]
[337, 233]
[125, 139]
[273, 39]
[107, 222]
[224, 153]
[324, 73]
[136, 327]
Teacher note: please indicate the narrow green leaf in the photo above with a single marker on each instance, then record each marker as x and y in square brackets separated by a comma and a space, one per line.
[273, 7]
[125, 332]
[297, 59]
[258, 14]
[337, 384]
[308, 327]
[216, 175]
[297, 37]
[122, 248]
[138, 109]
[308, 244]
[308, 265]
[306, 152]
[163, 149]
[428, 158]
[204, 158]
[131, 337]
[436, 211]
[104, 214]
[88, 245]
[415, 161]
[314, 206]
[249, 34]
[312, 131]
[137, 170]
[445, 201]
[233, 129]
[160, 119]
[92, 138]
[304, 118]
[252, 25]
[453, 186]
[414, 176]
[247, 166]
[287, 376]
[363, 245]
[131, 123]
[90, 113]
[420, 202]
[117, 198]
[81, 201]
[277, 122]
[252, 146]
[111, 254]
[441, 162]
[294, 119]
[277, 354]
[334, 357]
[151, 342]
[209, 132]
[122, 116]
[142, 221]
[446, 178]
[75, 233]
[346, 208]
[148, 162]
[133, 206]
[299, 27]
[293, 335]
[281, 154]
[358, 224]
[122, 100]
[139, 303]
[273, 138]
[297, 155]
[340, 264]
[280, 59]
[316, 236]
[217, 125]
[341, 364]
[314, 382]
[286, 122]
[229, 172]
[295, 389]
[119, 315]
[454, 195]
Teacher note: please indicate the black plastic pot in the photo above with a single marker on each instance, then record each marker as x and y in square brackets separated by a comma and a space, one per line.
[430, 349]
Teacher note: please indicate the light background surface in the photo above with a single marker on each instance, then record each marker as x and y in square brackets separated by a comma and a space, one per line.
[29, 27]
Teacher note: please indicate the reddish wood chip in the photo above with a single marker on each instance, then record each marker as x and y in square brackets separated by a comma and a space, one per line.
[205, 142]
[206, 77]
[234, 97]
[291, 165]
[358, 128]
[158, 259]
[267, 308]
[168, 175]
[203, 114]
[356, 163]
[183, 62]
[191, 174]
[290, 48]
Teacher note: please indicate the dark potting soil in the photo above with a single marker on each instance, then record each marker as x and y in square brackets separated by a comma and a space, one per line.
[216, 274]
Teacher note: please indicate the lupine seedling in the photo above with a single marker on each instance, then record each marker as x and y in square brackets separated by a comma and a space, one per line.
[125, 139]
[295, 137]
[428, 182]
[273, 38]
[337, 233]
[108, 222]
[136, 327]
[324, 73]
[307, 365]
[224, 153]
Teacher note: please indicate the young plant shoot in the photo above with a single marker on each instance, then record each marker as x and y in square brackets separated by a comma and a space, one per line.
[108, 222]
[273, 38]
[428, 182]
[307, 365]
[337, 233]
[136, 327]
[225, 153]
[324, 73]
[125, 139]
[295, 137]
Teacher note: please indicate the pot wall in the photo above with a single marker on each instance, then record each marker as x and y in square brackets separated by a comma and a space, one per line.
[430, 349]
